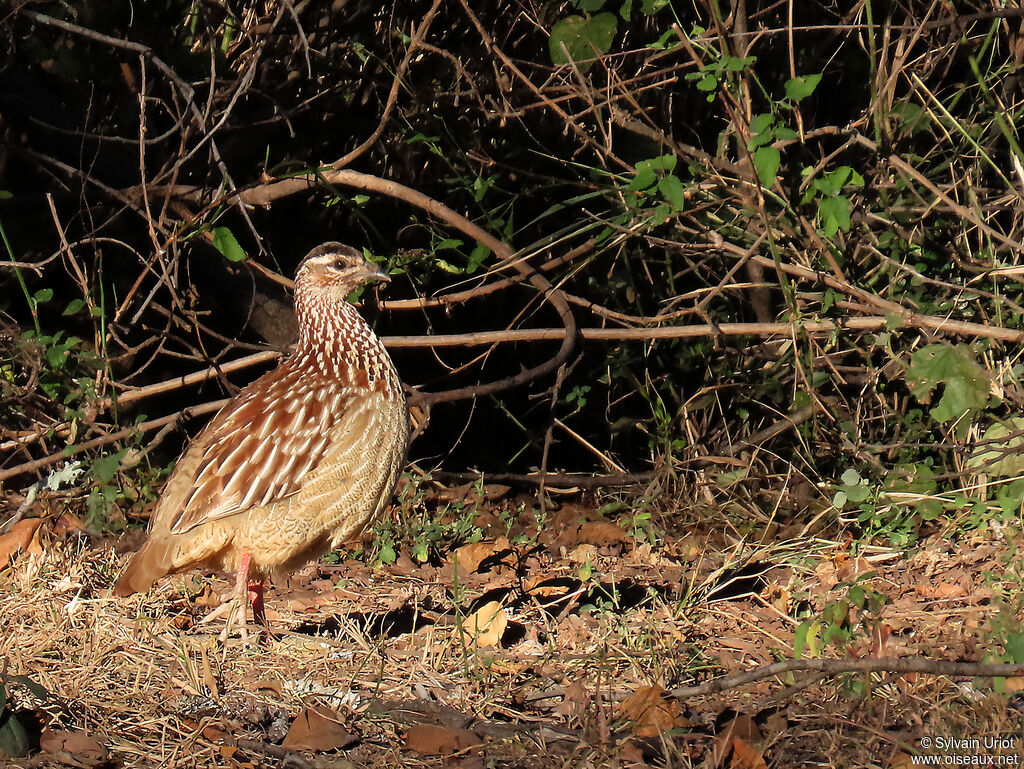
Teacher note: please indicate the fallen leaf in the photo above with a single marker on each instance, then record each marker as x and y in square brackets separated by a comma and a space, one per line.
[742, 729]
[651, 713]
[486, 625]
[302, 600]
[317, 729]
[468, 557]
[1013, 685]
[847, 569]
[267, 684]
[455, 493]
[901, 760]
[544, 586]
[431, 740]
[213, 734]
[69, 522]
[18, 539]
[632, 755]
[745, 757]
[601, 534]
[208, 597]
[574, 702]
[77, 744]
[583, 554]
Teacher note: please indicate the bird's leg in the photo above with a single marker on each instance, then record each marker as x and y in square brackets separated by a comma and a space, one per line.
[256, 599]
[240, 600]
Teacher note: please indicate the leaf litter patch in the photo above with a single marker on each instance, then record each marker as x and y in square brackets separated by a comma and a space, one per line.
[504, 646]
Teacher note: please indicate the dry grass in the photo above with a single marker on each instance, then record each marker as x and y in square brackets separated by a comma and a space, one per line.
[155, 688]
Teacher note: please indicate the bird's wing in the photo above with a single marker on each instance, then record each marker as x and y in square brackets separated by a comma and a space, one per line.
[262, 447]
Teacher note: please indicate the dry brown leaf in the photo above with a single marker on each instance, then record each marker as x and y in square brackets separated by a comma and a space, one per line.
[81, 746]
[208, 597]
[455, 493]
[486, 625]
[651, 712]
[432, 740]
[631, 756]
[317, 729]
[583, 554]
[302, 600]
[745, 757]
[1014, 684]
[213, 734]
[601, 534]
[546, 586]
[574, 702]
[900, 761]
[19, 538]
[256, 684]
[849, 568]
[404, 565]
[69, 522]
[741, 728]
[469, 557]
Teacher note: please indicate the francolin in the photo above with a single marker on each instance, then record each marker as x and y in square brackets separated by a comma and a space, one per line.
[299, 461]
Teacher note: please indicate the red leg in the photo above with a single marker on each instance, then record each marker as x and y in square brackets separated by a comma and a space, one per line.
[256, 599]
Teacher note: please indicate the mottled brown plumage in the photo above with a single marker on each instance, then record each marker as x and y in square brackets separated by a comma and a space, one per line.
[299, 461]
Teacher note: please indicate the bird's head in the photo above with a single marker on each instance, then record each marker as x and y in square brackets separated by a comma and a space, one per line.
[336, 269]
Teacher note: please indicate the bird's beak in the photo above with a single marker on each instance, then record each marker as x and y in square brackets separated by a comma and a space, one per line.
[373, 273]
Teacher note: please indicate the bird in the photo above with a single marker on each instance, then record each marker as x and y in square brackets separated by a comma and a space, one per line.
[299, 461]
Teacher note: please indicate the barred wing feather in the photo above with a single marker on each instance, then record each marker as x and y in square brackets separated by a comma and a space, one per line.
[259, 452]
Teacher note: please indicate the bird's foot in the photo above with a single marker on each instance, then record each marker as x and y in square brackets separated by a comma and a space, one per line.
[246, 591]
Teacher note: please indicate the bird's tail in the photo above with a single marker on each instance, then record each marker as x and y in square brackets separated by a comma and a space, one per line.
[146, 567]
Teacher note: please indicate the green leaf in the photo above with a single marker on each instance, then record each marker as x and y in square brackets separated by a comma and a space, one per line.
[56, 356]
[766, 161]
[42, 295]
[857, 493]
[761, 122]
[644, 179]
[477, 257]
[13, 739]
[662, 42]
[672, 189]
[580, 39]
[225, 242]
[806, 639]
[836, 179]
[74, 306]
[732, 477]
[449, 267]
[1015, 647]
[1001, 450]
[966, 383]
[834, 213]
[105, 468]
[798, 88]
[387, 554]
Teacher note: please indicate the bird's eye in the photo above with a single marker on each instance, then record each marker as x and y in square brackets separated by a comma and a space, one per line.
[340, 264]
